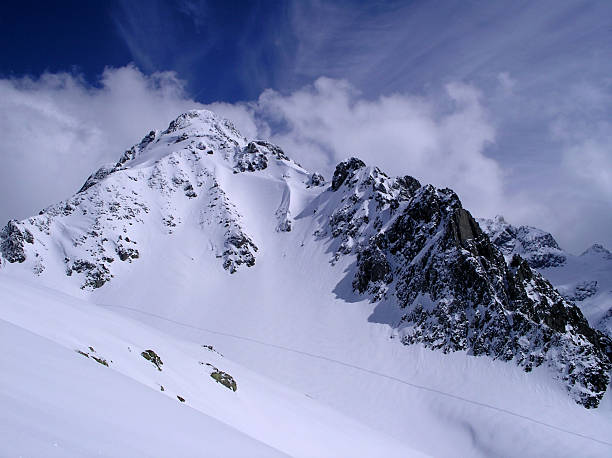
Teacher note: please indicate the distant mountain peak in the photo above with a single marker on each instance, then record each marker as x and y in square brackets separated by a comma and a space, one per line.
[597, 249]
[539, 248]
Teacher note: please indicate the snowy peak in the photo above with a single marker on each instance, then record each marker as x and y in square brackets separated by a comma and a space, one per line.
[598, 250]
[344, 170]
[204, 124]
[537, 247]
[353, 172]
[360, 202]
[173, 180]
[200, 133]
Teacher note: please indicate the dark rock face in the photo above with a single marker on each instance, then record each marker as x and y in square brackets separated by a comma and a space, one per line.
[96, 275]
[149, 138]
[189, 191]
[127, 156]
[251, 159]
[127, 253]
[409, 184]
[284, 225]
[464, 227]
[373, 267]
[583, 290]
[274, 150]
[238, 250]
[344, 169]
[98, 176]
[316, 179]
[541, 262]
[12, 241]
[255, 156]
[422, 254]
[150, 355]
[223, 378]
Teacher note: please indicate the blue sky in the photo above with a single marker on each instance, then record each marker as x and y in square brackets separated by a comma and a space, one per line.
[243, 41]
[508, 102]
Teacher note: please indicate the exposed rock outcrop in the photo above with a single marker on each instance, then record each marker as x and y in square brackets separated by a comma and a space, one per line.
[421, 253]
[13, 238]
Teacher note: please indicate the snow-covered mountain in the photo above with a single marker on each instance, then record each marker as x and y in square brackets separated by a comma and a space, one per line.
[537, 247]
[199, 230]
[585, 280]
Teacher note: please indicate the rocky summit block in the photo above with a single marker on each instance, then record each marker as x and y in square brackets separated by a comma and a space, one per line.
[13, 238]
[150, 355]
[420, 253]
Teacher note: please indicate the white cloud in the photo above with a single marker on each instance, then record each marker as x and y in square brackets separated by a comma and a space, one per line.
[591, 164]
[57, 129]
[439, 143]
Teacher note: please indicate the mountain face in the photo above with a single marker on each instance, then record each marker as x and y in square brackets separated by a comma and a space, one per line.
[585, 280]
[537, 247]
[436, 277]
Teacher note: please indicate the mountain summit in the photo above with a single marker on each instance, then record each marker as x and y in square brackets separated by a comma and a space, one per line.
[198, 220]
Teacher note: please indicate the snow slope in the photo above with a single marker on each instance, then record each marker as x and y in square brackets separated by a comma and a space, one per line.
[198, 236]
[53, 404]
[57, 402]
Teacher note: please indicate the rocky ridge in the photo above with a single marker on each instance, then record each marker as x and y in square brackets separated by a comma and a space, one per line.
[585, 280]
[427, 261]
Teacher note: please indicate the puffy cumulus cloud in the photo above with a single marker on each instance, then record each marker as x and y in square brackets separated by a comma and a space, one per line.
[56, 129]
[437, 141]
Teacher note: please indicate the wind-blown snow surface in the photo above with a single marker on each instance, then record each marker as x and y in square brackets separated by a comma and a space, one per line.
[57, 402]
[176, 216]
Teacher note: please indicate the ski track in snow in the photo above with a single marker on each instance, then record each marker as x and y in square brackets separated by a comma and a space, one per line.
[369, 371]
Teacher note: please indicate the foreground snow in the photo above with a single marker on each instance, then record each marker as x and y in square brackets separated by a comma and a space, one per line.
[56, 402]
